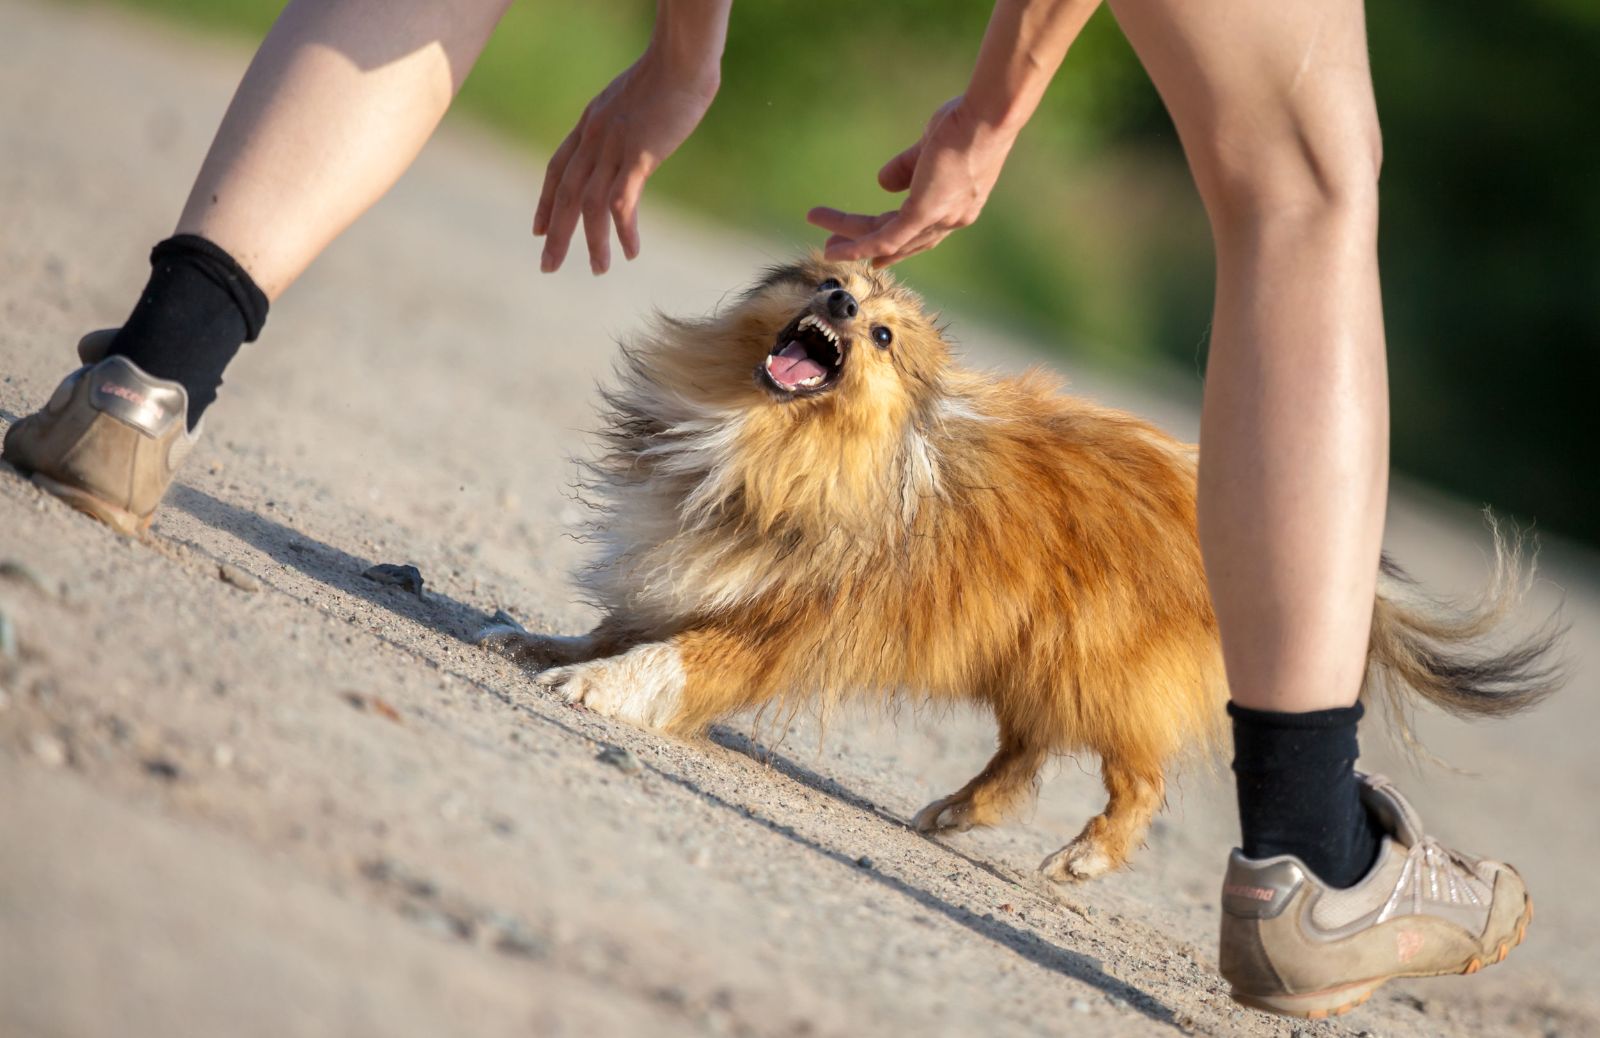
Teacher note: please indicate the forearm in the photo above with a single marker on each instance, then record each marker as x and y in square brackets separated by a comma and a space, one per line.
[1023, 47]
[689, 35]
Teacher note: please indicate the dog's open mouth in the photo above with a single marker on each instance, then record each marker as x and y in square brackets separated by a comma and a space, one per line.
[808, 357]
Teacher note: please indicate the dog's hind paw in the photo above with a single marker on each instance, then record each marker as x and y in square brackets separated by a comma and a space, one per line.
[1079, 860]
[945, 814]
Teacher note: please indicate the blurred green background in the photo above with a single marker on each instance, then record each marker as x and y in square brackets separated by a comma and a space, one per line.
[1095, 239]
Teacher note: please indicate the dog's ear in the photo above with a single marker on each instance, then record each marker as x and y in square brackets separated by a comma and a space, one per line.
[798, 273]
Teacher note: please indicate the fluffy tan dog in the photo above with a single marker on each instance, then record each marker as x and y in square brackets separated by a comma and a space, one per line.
[805, 497]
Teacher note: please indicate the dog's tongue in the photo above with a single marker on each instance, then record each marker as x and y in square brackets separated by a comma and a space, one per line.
[792, 365]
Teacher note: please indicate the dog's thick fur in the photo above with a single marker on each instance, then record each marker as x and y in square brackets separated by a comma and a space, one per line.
[910, 528]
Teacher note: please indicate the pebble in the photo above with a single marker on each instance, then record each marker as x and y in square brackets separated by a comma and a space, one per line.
[222, 756]
[51, 751]
[408, 578]
[238, 578]
[621, 758]
[161, 768]
[441, 924]
[863, 862]
[8, 636]
[1078, 1005]
[513, 938]
[22, 573]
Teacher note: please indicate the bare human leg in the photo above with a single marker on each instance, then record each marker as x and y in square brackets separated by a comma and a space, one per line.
[335, 106]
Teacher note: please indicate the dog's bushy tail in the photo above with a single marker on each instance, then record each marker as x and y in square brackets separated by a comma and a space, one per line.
[1456, 656]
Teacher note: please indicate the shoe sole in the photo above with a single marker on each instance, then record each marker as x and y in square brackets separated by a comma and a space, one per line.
[119, 519]
[1337, 1001]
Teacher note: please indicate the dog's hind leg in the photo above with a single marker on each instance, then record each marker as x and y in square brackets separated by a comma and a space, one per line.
[1009, 779]
[1137, 792]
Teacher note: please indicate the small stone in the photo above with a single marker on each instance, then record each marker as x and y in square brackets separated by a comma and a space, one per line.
[51, 751]
[238, 578]
[621, 758]
[1117, 1003]
[700, 858]
[513, 938]
[1078, 1005]
[8, 636]
[441, 924]
[408, 578]
[222, 756]
[161, 768]
[22, 573]
[863, 862]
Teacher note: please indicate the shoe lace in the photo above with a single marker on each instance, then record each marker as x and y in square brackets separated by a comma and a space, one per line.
[1433, 872]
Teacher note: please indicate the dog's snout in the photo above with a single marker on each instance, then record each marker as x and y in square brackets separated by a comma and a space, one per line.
[842, 306]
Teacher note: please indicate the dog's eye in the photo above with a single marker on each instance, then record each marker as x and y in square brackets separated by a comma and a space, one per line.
[829, 285]
[882, 336]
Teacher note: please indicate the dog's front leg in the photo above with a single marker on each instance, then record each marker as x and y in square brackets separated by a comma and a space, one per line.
[679, 685]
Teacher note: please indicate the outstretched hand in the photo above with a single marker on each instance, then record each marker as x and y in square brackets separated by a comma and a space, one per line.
[599, 171]
[949, 174]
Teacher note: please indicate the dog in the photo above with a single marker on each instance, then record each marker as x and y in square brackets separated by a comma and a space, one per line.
[805, 497]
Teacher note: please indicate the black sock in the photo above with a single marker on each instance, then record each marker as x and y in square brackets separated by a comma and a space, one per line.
[197, 310]
[1298, 792]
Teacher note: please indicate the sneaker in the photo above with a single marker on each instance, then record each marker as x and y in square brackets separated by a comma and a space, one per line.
[1292, 945]
[109, 440]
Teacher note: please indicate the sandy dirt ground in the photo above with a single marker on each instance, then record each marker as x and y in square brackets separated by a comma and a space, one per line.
[308, 806]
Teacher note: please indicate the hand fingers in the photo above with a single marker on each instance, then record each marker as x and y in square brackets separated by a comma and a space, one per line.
[625, 204]
[927, 241]
[897, 172]
[851, 225]
[895, 234]
[565, 210]
[552, 179]
[597, 207]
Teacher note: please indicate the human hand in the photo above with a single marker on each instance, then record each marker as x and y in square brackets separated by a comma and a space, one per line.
[623, 135]
[949, 172]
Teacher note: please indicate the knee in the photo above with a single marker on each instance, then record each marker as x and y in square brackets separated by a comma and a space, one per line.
[1302, 171]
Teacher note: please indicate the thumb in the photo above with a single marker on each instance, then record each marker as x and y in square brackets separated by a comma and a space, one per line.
[896, 173]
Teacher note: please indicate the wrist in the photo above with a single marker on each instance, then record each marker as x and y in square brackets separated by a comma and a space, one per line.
[686, 43]
[994, 117]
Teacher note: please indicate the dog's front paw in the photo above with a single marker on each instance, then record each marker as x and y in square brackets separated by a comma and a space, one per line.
[953, 812]
[535, 651]
[643, 686]
[1079, 860]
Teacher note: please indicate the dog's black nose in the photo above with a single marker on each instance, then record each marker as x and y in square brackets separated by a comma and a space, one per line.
[842, 305]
